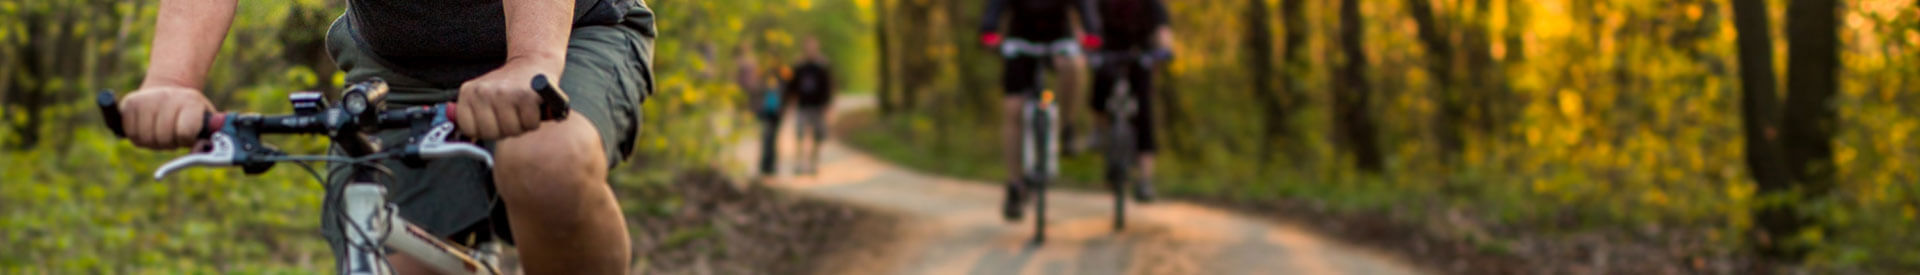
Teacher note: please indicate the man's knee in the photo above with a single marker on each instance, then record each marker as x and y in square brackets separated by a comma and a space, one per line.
[555, 162]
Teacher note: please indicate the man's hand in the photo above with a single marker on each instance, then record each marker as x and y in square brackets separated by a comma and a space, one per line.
[164, 117]
[501, 104]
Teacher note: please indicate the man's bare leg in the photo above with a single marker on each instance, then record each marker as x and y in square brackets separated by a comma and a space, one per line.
[1010, 133]
[1070, 76]
[564, 216]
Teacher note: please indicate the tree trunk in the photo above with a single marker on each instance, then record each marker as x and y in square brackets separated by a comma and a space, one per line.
[1759, 111]
[1292, 61]
[880, 35]
[1260, 43]
[1353, 96]
[1440, 59]
[1807, 127]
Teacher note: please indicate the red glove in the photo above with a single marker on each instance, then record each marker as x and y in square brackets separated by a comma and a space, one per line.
[1090, 41]
[991, 39]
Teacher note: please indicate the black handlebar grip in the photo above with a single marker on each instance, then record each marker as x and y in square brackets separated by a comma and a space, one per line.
[110, 112]
[552, 105]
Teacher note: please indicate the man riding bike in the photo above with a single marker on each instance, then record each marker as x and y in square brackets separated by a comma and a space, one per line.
[550, 177]
[1134, 29]
[1040, 21]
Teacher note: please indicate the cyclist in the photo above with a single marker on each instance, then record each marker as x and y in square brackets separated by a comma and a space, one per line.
[551, 175]
[812, 88]
[1041, 21]
[1139, 27]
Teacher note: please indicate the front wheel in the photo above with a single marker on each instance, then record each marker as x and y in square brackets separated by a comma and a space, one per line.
[1120, 162]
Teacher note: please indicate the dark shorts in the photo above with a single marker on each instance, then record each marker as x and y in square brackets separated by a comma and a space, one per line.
[1139, 82]
[1021, 75]
[608, 75]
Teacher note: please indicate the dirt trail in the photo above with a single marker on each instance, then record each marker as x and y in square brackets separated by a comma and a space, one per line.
[952, 226]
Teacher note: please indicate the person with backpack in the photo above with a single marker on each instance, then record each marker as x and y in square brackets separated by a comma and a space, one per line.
[764, 99]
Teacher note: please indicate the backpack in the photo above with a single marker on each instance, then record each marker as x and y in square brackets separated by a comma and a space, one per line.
[770, 101]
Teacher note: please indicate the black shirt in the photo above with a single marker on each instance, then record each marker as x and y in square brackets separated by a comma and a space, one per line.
[1131, 24]
[1039, 20]
[812, 84]
[450, 41]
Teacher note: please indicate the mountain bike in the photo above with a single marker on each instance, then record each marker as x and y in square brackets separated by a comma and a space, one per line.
[370, 224]
[1040, 128]
[1122, 144]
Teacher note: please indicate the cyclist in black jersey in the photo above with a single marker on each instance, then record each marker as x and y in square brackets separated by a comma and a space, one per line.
[1037, 21]
[1135, 30]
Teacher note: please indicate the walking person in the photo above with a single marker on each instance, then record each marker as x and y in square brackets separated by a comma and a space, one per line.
[764, 99]
[811, 88]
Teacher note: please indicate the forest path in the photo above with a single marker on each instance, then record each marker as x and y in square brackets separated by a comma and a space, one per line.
[952, 226]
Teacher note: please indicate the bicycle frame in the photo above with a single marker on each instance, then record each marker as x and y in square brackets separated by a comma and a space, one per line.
[369, 223]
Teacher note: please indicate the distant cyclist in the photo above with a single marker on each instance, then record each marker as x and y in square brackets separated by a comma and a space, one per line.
[1135, 30]
[1037, 21]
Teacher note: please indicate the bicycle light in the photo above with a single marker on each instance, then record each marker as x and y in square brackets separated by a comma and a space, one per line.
[307, 103]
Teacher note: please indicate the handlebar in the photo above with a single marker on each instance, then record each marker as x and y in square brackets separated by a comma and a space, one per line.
[1015, 47]
[1143, 58]
[232, 139]
[552, 107]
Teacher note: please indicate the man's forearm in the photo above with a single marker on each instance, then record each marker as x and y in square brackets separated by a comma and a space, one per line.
[185, 41]
[537, 31]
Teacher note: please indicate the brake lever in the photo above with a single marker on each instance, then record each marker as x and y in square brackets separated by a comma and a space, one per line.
[437, 142]
[435, 145]
[218, 151]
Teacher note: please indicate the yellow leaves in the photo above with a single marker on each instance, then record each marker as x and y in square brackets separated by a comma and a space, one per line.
[1906, 212]
[1551, 20]
[1844, 155]
[1570, 103]
[1655, 197]
[777, 38]
[802, 4]
[1901, 131]
[1913, 37]
[863, 5]
[1533, 136]
[303, 76]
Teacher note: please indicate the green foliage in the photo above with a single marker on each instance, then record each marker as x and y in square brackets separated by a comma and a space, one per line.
[78, 200]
